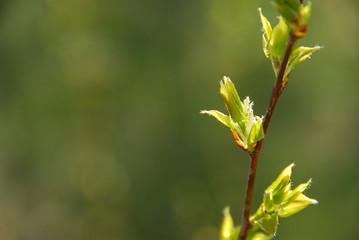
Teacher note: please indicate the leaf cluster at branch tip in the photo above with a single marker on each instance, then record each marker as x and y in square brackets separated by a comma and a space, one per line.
[246, 128]
[279, 200]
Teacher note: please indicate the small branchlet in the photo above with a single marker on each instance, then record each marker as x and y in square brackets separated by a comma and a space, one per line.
[248, 130]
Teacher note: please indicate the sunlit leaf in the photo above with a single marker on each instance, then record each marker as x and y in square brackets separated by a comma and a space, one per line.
[296, 192]
[232, 100]
[256, 133]
[280, 195]
[282, 180]
[288, 8]
[246, 128]
[219, 116]
[305, 12]
[267, 28]
[300, 54]
[235, 233]
[268, 201]
[297, 205]
[278, 41]
[267, 32]
[227, 225]
[269, 223]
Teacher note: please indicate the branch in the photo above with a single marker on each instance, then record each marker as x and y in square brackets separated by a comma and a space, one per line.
[276, 92]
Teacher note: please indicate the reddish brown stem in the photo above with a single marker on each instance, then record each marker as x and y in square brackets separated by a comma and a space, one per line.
[276, 92]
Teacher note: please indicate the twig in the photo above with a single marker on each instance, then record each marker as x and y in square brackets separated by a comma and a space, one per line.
[276, 92]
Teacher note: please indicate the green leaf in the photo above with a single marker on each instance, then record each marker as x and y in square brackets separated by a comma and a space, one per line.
[268, 201]
[297, 205]
[279, 196]
[235, 233]
[267, 32]
[296, 192]
[244, 124]
[258, 215]
[289, 9]
[282, 180]
[278, 41]
[256, 133]
[226, 120]
[305, 12]
[249, 116]
[267, 28]
[269, 223]
[227, 224]
[300, 54]
[232, 100]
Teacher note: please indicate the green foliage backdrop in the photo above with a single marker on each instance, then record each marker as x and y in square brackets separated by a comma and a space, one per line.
[100, 131]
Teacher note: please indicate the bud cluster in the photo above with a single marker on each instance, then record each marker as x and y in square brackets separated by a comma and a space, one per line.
[247, 129]
[278, 201]
[275, 40]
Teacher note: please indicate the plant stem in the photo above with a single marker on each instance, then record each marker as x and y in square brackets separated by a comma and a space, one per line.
[276, 92]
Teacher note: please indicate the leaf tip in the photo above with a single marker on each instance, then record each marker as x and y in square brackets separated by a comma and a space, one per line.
[203, 112]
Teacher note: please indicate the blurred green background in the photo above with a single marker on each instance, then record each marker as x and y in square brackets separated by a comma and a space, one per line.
[100, 131]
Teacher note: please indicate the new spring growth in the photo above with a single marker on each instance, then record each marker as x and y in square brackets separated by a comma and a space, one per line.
[275, 40]
[279, 200]
[229, 232]
[247, 129]
[295, 13]
[227, 225]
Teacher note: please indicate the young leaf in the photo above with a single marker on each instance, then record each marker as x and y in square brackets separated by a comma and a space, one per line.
[296, 192]
[261, 211]
[269, 223]
[246, 128]
[279, 39]
[305, 12]
[300, 54]
[227, 225]
[267, 28]
[282, 180]
[297, 205]
[256, 133]
[267, 32]
[232, 100]
[268, 201]
[279, 196]
[219, 116]
[288, 8]
[235, 233]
